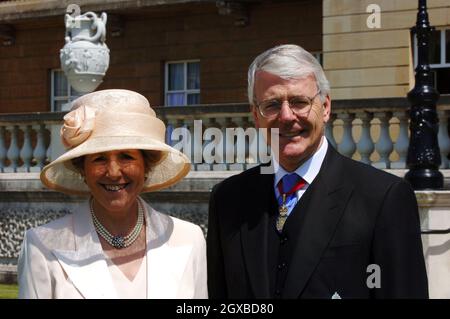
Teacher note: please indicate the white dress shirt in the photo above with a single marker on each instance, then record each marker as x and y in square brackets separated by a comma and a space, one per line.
[308, 170]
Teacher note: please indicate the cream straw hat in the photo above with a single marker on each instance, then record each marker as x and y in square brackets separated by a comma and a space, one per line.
[113, 120]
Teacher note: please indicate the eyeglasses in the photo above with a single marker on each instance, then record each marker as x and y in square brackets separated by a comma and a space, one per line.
[300, 105]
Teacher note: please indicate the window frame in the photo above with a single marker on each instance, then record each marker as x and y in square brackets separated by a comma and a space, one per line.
[319, 56]
[68, 98]
[443, 50]
[186, 91]
[442, 42]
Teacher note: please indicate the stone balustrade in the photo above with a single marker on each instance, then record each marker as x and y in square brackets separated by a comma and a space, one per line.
[222, 138]
[25, 141]
[376, 131]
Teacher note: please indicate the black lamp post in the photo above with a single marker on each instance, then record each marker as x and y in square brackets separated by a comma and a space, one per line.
[423, 153]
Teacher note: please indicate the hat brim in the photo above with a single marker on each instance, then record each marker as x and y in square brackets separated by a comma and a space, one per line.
[61, 176]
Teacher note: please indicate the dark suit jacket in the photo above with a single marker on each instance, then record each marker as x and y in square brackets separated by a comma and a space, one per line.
[356, 216]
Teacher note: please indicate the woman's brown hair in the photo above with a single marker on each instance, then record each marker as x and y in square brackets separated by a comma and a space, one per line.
[150, 159]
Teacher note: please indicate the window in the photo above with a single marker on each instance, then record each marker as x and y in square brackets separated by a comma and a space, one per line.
[439, 56]
[318, 56]
[62, 93]
[182, 85]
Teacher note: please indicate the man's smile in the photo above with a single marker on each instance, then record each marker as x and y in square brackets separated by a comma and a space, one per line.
[295, 133]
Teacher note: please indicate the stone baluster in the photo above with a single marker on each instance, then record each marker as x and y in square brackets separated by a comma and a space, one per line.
[256, 145]
[215, 133]
[48, 153]
[347, 146]
[443, 139]
[169, 129]
[384, 145]
[2, 149]
[402, 143]
[56, 147]
[168, 133]
[13, 153]
[180, 137]
[239, 147]
[234, 150]
[202, 142]
[26, 153]
[329, 130]
[365, 144]
[192, 146]
[170, 126]
[230, 144]
[40, 151]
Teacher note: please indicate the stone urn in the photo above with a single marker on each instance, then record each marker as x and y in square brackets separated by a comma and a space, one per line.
[85, 56]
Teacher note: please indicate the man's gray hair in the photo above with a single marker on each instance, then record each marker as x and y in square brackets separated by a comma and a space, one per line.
[287, 61]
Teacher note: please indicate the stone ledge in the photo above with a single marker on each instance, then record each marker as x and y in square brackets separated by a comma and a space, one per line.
[18, 179]
[11, 183]
[433, 198]
[202, 111]
[19, 10]
[195, 187]
[8, 274]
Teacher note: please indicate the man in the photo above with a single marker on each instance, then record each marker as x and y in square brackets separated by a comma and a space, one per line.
[336, 228]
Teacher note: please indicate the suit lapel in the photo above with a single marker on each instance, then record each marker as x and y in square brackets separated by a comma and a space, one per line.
[86, 266]
[254, 233]
[328, 199]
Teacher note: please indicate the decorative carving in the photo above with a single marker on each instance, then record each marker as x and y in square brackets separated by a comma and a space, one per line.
[85, 56]
[14, 223]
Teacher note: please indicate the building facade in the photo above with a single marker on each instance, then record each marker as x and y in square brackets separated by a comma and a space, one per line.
[368, 49]
[191, 58]
[152, 46]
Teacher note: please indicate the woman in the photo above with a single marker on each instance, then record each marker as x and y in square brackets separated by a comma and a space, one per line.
[114, 245]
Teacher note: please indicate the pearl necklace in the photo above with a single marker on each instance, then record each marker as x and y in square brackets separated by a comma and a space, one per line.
[119, 241]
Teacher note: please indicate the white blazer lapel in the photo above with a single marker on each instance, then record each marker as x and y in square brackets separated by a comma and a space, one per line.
[86, 266]
[165, 263]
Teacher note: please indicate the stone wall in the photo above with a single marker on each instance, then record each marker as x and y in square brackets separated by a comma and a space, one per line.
[435, 215]
[363, 62]
[16, 219]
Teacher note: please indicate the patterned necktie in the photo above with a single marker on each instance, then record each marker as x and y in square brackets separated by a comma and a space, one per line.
[288, 187]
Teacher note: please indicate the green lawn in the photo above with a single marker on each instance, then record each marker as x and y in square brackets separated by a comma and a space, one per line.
[8, 291]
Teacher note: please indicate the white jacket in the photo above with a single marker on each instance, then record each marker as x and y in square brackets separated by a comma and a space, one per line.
[64, 259]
